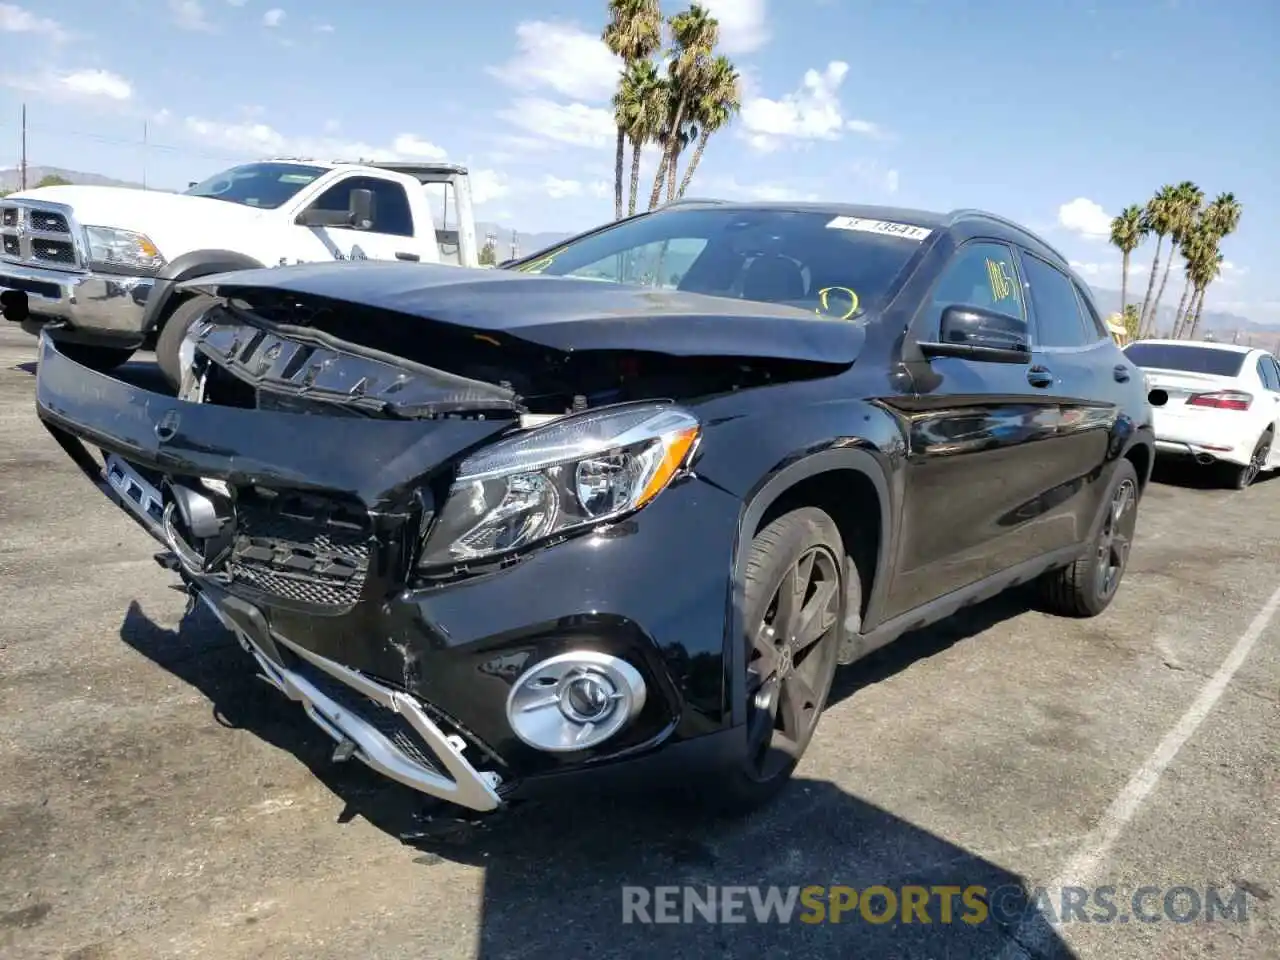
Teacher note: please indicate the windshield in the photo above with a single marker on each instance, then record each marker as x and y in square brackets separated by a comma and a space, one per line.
[1186, 357]
[834, 266]
[264, 185]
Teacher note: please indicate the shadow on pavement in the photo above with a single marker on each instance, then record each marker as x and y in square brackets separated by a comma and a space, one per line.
[555, 874]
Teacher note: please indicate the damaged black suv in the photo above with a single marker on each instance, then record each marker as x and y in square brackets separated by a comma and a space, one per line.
[631, 501]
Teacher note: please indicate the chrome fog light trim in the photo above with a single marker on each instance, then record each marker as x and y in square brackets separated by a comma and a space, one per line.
[574, 701]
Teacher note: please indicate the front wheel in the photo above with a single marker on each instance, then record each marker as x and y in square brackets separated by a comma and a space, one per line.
[172, 333]
[101, 359]
[1087, 587]
[794, 606]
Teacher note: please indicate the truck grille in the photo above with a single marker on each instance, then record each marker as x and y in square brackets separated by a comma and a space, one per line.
[302, 548]
[39, 234]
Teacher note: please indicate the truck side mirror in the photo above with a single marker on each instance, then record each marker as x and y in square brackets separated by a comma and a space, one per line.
[361, 209]
[359, 213]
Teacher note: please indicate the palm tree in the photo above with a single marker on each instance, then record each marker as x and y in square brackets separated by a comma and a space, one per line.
[1196, 245]
[634, 33]
[1127, 232]
[640, 106]
[718, 102]
[1183, 219]
[1221, 218]
[1205, 271]
[694, 34]
[1158, 216]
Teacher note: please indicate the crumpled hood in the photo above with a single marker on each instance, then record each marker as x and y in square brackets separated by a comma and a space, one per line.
[164, 217]
[561, 313]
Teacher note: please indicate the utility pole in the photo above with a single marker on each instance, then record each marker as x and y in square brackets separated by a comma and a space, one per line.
[515, 247]
[22, 165]
[144, 154]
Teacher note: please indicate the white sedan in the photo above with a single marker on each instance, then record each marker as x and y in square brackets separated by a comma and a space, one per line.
[1218, 403]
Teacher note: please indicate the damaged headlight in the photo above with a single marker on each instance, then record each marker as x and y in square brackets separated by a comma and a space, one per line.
[122, 249]
[577, 472]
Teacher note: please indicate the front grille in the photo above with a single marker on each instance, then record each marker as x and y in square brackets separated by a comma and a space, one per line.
[40, 234]
[299, 547]
[387, 722]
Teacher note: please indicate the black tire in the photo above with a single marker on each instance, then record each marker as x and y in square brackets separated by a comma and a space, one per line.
[172, 332]
[1087, 586]
[1240, 478]
[102, 359]
[789, 677]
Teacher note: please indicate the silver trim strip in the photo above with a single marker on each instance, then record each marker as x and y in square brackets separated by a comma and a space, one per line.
[141, 498]
[465, 786]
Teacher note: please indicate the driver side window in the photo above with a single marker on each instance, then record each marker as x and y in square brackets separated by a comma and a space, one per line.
[391, 213]
[980, 274]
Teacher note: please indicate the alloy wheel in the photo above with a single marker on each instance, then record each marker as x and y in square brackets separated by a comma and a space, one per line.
[1116, 537]
[1256, 463]
[791, 662]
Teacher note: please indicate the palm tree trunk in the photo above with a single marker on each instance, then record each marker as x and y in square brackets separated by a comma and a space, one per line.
[1180, 317]
[693, 163]
[635, 178]
[1155, 304]
[659, 179]
[1198, 300]
[1151, 284]
[673, 148]
[1124, 280]
[617, 175]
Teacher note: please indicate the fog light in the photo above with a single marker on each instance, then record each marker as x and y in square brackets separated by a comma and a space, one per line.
[574, 701]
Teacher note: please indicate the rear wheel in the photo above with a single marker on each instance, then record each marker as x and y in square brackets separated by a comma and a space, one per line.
[102, 359]
[172, 333]
[1241, 477]
[1087, 587]
[794, 612]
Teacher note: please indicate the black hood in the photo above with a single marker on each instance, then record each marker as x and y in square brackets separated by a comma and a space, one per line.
[561, 313]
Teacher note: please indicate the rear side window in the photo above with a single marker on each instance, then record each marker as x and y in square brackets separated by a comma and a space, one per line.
[1059, 322]
[1189, 358]
[1267, 371]
[1091, 314]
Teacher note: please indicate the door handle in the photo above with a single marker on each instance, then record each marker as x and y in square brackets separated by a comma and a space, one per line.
[1122, 373]
[408, 256]
[1040, 377]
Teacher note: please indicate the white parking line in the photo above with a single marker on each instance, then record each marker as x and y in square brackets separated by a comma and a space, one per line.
[1032, 936]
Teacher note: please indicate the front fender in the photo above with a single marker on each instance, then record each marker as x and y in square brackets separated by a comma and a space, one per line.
[189, 266]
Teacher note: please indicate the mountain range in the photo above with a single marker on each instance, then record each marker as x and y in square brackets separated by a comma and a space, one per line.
[1221, 323]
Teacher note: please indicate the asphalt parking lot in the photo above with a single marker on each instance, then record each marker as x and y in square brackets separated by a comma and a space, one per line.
[156, 800]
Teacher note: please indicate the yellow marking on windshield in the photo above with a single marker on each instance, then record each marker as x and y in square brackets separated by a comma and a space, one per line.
[487, 339]
[824, 296]
[1002, 285]
[537, 266]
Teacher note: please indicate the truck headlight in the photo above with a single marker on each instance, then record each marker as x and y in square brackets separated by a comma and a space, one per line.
[574, 473]
[122, 249]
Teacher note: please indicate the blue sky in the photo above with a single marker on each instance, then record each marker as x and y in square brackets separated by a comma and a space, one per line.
[1054, 113]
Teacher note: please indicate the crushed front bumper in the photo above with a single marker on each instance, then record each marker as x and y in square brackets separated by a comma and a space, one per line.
[413, 678]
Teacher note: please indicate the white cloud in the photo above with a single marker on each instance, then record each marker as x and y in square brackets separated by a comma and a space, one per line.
[891, 181]
[96, 83]
[730, 188]
[487, 186]
[563, 58]
[810, 113]
[273, 17]
[237, 3]
[558, 189]
[743, 24]
[575, 124]
[1086, 218]
[324, 28]
[1109, 268]
[15, 19]
[261, 140]
[189, 15]
[866, 128]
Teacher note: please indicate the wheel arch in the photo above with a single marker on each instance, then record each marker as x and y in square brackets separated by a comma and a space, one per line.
[837, 481]
[165, 296]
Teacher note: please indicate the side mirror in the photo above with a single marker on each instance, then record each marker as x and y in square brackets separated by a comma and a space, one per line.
[973, 333]
[359, 213]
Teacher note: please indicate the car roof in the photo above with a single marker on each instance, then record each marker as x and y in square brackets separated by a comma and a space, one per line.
[965, 223]
[1208, 344]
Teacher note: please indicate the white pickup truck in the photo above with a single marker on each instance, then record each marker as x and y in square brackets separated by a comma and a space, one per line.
[101, 267]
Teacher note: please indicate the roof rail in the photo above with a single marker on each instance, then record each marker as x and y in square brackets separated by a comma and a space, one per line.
[973, 212]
